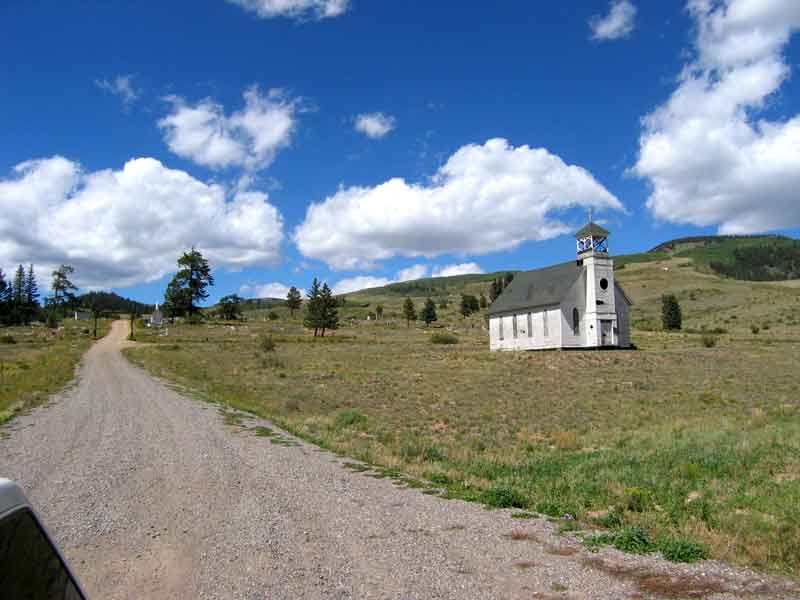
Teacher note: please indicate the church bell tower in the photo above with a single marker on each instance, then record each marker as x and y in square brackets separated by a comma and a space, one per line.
[592, 255]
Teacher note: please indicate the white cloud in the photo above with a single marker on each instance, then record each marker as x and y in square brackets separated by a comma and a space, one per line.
[462, 269]
[486, 198]
[618, 23]
[374, 125]
[708, 156]
[248, 138]
[120, 228]
[413, 272]
[362, 282]
[122, 86]
[296, 9]
[266, 290]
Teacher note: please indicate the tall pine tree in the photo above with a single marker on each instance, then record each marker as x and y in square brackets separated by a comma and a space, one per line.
[409, 312]
[30, 301]
[329, 313]
[313, 316]
[293, 300]
[428, 314]
[5, 297]
[194, 275]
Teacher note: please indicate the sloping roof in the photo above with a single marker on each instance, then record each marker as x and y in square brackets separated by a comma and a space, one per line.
[541, 287]
[591, 229]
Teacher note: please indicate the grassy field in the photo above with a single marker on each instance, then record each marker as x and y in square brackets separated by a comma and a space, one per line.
[36, 361]
[690, 448]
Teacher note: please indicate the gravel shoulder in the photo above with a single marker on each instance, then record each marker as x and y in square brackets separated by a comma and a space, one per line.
[151, 495]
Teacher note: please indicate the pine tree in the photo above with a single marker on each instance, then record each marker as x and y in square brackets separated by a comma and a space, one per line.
[469, 304]
[63, 289]
[483, 303]
[194, 275]
[329, 314]
[176, 299]
[379, 311]
[5, 297]
[293, 300]
[671, 317]
[409, 312]
[428, 314]
[313, 316]
[18, 293]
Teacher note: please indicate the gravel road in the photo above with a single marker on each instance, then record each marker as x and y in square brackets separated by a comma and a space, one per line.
[151, 495]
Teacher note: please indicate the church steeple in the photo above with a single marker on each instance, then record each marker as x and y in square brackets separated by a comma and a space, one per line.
[592, 238]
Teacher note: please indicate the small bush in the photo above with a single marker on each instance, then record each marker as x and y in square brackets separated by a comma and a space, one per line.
[755, 329]
[7, 339]
[444, 338]
[272, 315]
[266, 344]
[637, 499]
[708, 340]
[634, 540]
[350, 418]
[503, 497]
[432, 454]
[613, 520]
[272, 361]
[683, 551]
[439, 478]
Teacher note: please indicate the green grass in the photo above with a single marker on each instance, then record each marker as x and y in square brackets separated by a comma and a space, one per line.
[693, 444]
[38, 362]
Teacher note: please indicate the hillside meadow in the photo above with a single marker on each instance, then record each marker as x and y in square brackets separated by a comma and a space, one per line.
[691, 442]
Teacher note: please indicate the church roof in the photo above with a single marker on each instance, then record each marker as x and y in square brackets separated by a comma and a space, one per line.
[591, 229]
[540, 287]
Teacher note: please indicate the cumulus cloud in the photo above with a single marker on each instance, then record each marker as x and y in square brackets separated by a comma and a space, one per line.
[462, 269]
[413, 272]
[266, 290]
[486, 198]
[363, 282]
[249, 138]
[124, 227]
[296, 9]
[618, 23]
[374, 125]
[121, 86]
[709, 157]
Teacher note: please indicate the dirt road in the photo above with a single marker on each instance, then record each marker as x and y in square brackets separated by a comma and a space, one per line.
[151, 495]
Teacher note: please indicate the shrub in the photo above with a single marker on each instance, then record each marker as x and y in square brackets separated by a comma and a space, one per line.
[7, 339]
[708, 340]
[267, 344]
[503, 497]
[634, 540]
[683, 551]
[350, 418]
[755, 329]
[194, 319]
[432, 454]
[444, 338]
[671, 318]
[636, 499]
[272, 315]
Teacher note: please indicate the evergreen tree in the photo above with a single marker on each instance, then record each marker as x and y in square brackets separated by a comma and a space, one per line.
[671, 317]
[379, 311]
[194, 275]
[5, 298]
[176, 299]
[63, 289]
[313, 316]
[428, 314]
[30, 297]
[409, 312]
[293, 300]
[18, 294]
[483, 303]
[230, 307]
[329, 313]
[469, 304]
[496, 289]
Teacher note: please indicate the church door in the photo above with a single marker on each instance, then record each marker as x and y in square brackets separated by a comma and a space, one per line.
[606, 338]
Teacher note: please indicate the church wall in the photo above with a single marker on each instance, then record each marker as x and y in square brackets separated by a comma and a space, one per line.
[623, 319]
[576, 298]
[524, 341]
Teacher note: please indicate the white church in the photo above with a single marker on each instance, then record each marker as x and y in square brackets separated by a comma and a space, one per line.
[572, 305]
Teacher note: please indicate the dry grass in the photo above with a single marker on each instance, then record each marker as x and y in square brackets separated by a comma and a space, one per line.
[40, 362]
[573, 432]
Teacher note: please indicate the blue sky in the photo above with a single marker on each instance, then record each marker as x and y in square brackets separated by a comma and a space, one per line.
[667, 118]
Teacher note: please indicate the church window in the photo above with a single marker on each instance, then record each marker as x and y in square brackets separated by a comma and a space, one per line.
[576, 321]
[500, 325]
[530, 325]
[544, 324]
[514, 325]
[604, 283]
